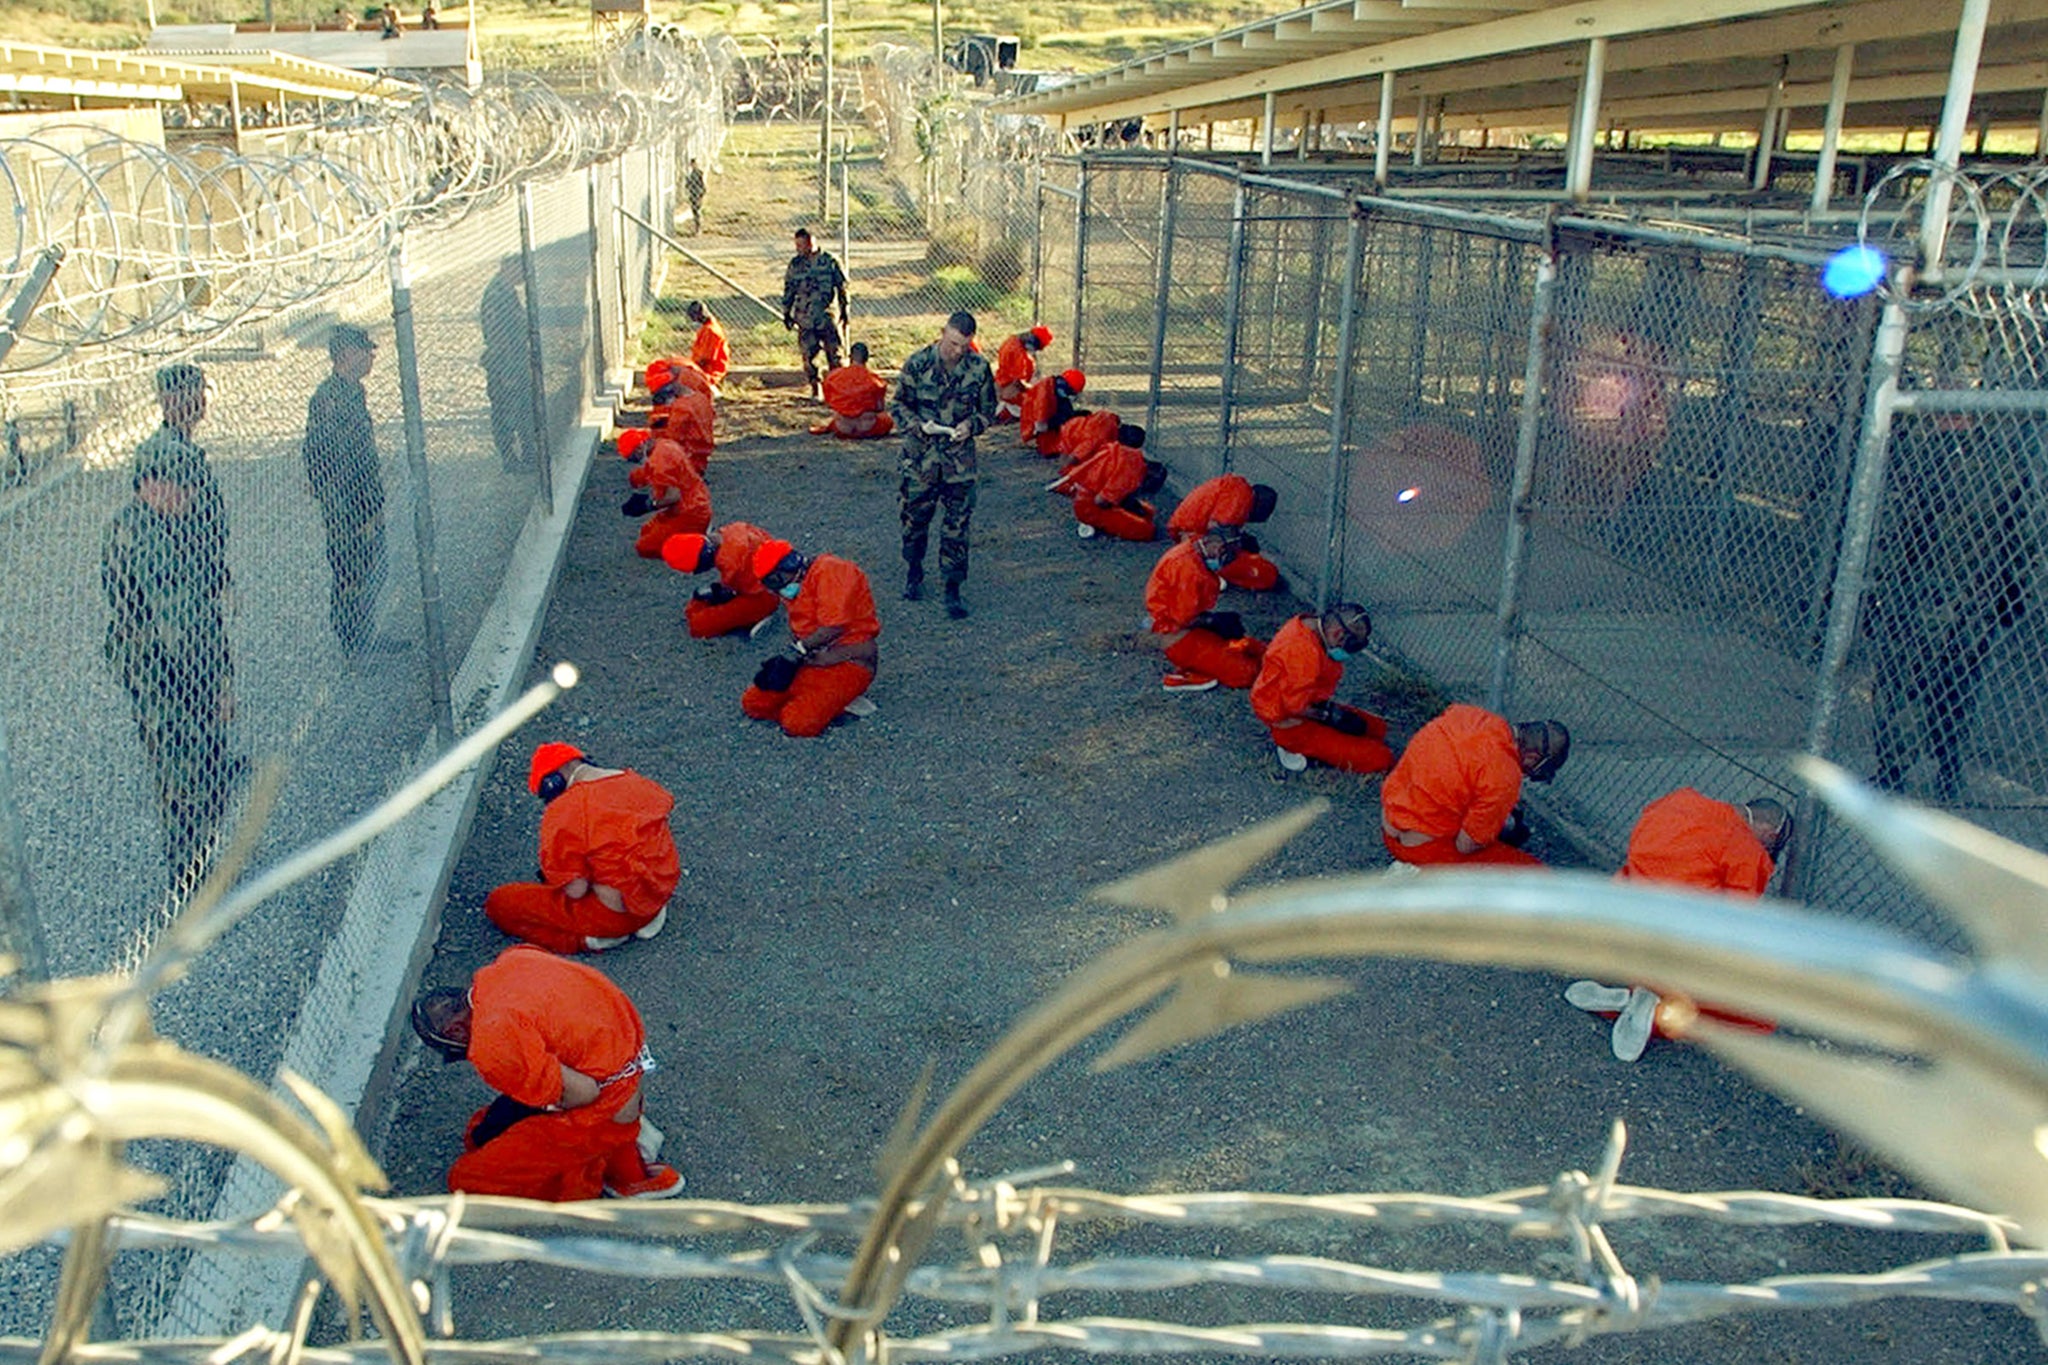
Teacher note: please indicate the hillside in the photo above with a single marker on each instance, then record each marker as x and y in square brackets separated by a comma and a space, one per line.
[1079, 34]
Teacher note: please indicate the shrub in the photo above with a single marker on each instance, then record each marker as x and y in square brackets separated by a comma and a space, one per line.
[949, 245]
[964, 288]
[1002, 265]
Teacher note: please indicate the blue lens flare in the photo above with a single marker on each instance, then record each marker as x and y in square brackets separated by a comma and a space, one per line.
[1853, 272]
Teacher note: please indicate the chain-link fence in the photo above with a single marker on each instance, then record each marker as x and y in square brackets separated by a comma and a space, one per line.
[1609, 473]
[280, 548]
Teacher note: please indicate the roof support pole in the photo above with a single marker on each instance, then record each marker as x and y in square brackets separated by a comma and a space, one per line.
[1831, 129]
[1955, 114]
[1767, 136]
[1301, 138]
[1266, 131]
[1383, 141]
[1421, 128]
[2041, 129]
[1578, 180]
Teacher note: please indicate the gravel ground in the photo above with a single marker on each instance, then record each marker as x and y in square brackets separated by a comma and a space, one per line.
[900, 890]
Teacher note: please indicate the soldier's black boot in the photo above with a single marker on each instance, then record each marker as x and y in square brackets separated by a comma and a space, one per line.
[955, 608]
[913, 586]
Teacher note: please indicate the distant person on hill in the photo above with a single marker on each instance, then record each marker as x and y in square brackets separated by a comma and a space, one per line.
[430, 18]
[693, 189]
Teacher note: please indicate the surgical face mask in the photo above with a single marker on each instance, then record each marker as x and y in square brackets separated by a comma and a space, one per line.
[790, 590]
[1214, 565]
[1339, 653]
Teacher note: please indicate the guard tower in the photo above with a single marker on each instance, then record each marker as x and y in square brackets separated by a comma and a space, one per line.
[613, 22]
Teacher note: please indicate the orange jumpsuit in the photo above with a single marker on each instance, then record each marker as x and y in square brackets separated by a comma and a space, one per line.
[532, 1014]
[1688, 839]
[856, 395]
[690, 421]
[1103, 483]
[669, 471]
[1462, 771]
[609, 831]
[709, 352]
[1181, 588]
[751, 603]
[1041, 416]
[1299, 673]
[1225, 500]
[1014, 369]
[834, 593]
[1083, 436]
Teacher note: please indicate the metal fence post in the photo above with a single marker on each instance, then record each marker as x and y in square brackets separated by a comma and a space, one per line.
[1521, 506]
[600, 373]
[1169, 203]
[1852, 566]
[1037, 254]
[621, 251]
[1232, 311]
[21, 933]
[536, 362]
[436, 636]
[1340, 412]
[1418, 342]
[1080, 259]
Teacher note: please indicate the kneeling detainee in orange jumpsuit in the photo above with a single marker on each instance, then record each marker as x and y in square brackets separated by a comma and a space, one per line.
[1451, 799]
[671, 489]
[833, 656]
[1110, 489]
[1230, 500]
[1686, 839]
[608, 862]
[1085, 433]
[683, 412]
[1016, 363]
[1209, 646]
[1295, 694]
[857, 396]
[566, 1051]
[1045, 407]
[737, 601]
[709, 351]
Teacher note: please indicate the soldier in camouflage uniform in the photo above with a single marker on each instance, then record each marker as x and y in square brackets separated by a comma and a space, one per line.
[809, 286]
[945, 396]
[164, 569]
[340, 451]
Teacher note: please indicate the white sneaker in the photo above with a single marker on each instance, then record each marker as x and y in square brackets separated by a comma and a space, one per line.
[650, 1139]
[861, 706]
[1290, 760]
[594, 944]
[1632, 1030]
[1594, 998]
[1085, 531]
[760, 625]
[653, 926]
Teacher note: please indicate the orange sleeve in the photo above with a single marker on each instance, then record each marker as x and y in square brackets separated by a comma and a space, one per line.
[668, 466]
[1122, 469]
[737, 542]
[564, 825]
[1496, 786]
[631, 848]
[1013, 363]
[1191, 518]
[693, 422]
[1180, 589]
[852, 390]
[835, 593]
[1460, 772]
[1687, 839]
[710, 353]
[1289, 679]
[1034, 408]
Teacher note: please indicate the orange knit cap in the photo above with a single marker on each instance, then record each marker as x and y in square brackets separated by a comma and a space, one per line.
[631, 439]
[1042, 334]
[683, 553]
[1075, 380]
[770, 554]
[546, 759]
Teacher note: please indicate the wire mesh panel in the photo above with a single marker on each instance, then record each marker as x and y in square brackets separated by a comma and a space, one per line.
[1124, 211]
[1292, 286]
[1058, 203]
[561, 272]
[1700, 417]
[1434, 406]
[1186, 433]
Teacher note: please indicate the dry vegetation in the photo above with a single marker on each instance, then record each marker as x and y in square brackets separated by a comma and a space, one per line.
[1082, 36]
